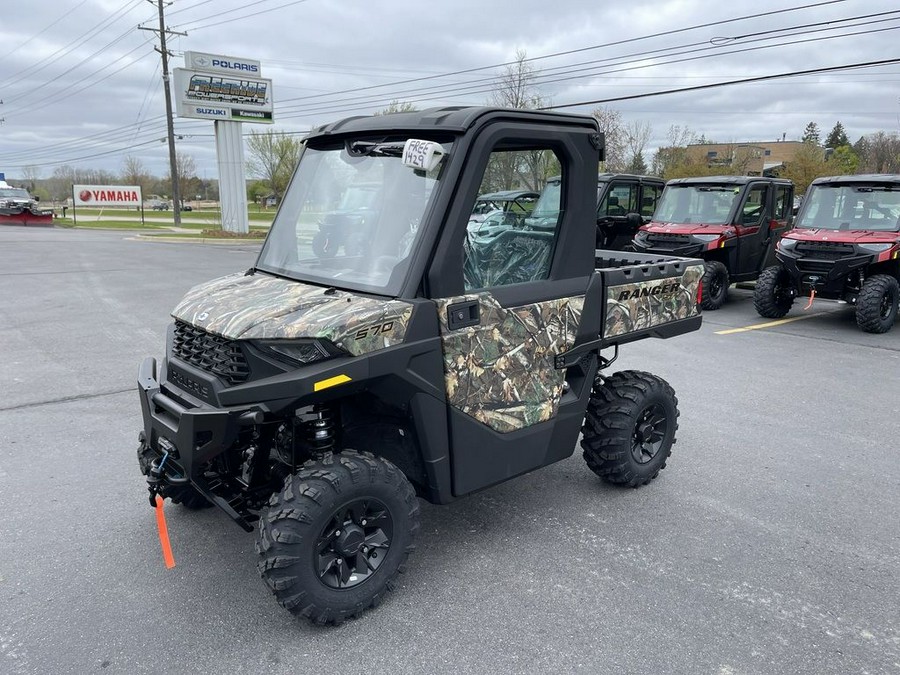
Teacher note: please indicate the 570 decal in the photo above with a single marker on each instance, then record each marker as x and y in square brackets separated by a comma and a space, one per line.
[374, 331]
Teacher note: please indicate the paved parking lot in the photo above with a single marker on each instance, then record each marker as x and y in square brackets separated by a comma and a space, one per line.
[769, 545]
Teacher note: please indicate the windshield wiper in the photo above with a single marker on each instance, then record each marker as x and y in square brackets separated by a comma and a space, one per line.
[370, 149]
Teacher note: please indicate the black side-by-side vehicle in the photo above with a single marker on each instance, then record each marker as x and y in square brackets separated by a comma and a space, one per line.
[319, 394]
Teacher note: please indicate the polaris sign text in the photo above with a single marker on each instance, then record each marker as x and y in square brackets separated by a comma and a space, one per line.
[234, 97]
[217, 63]
[106, 195]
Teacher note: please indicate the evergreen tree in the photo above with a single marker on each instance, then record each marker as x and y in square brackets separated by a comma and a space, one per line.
[837, 137]
[811, 133]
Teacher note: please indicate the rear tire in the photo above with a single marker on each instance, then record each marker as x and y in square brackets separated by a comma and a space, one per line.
[629, 428]
[715, 285]
[333, 541]
[877, 304]
[773, 295]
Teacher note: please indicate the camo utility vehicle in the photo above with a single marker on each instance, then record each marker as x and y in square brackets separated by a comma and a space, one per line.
[845, 246]
[732, 222]
[624, 202]
[318, 397]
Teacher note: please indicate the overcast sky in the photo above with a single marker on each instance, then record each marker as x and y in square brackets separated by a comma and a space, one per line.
[81, 85]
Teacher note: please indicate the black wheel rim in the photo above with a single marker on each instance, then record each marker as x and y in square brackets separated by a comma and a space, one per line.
[782, 292]
[887, 305]
[716, 286]
[354, 543]
[649, 433]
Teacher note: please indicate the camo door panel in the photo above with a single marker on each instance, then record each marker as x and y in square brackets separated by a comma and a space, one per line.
[501, 371]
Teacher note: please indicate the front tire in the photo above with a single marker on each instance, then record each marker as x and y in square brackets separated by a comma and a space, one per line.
[715, 285]
[629, 428]
[877, 304]
[773, 295]
[333, 541]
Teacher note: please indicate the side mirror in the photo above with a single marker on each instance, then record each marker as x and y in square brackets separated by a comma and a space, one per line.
[36, 198]
[633, 220]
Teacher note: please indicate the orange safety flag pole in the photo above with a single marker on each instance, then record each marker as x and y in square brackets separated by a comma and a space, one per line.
[812, 296]
[164, 534]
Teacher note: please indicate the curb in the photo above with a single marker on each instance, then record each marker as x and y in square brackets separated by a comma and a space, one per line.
[195, 240]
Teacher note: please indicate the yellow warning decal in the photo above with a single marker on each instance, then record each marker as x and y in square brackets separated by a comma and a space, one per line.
[331, 382]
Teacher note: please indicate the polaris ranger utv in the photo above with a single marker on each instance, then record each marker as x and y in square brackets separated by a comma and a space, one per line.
[624, 203]
[318, 397]
[845, 246]
[732, 222]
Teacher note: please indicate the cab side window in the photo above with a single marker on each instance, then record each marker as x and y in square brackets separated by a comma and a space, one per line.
[783, 202]
[649, 199]
[516, 252]
[621, 199]
[755, 205]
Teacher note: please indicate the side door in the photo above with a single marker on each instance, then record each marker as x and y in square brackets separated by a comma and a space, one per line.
[752, 227]
[782, 219]
[618, 200]
[521, 305]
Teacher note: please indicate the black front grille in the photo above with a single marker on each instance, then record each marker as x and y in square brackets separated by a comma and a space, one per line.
[814, 266]
[825, 250]
[668, 240]
[211, 353]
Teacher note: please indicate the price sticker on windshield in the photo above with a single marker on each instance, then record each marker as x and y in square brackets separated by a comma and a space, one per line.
[424, 155]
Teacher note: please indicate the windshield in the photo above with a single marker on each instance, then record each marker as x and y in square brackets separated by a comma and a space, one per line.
[14, 193]
[707, 204]
[350, 220]
[851, 207]
[548, 204]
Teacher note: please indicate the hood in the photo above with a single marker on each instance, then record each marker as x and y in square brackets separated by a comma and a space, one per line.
[687, 228]
[845, 236]
[259, 306]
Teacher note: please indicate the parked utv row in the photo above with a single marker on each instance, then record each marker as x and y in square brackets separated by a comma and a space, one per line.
[844, 244]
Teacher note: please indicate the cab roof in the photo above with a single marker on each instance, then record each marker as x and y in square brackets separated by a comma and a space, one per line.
[727, 180]
[452, 119]
[858, 179]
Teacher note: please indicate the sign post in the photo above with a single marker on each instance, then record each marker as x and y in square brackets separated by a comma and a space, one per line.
[229, 91]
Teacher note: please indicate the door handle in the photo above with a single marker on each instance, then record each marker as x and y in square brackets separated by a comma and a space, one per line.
[463, 314]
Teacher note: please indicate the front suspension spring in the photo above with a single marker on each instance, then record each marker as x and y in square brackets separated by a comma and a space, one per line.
[320, 430]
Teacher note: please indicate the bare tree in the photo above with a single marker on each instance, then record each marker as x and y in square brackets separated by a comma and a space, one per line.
[878, 153]
[31, 175]
[273, 156]
[610, 122]
[528, 169]
[134, 172]
[637, 134]
[397, 106]
[675, 152]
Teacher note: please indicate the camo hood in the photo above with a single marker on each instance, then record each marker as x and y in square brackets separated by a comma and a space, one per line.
[259, 306]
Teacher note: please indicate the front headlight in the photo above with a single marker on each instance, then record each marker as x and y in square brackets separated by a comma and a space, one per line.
[302, 351]
[787, 244]
[707, 237]
[875, 248]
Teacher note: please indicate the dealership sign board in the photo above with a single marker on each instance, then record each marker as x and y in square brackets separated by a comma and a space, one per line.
[106, 195]
[216, 87]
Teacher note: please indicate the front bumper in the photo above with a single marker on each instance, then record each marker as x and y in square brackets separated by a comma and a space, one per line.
[191, 435]
[827, 277]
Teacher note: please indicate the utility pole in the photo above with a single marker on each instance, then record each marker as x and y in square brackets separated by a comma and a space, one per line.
[170, 122]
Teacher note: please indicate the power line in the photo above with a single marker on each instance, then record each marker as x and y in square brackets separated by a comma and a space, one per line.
[42, 31]
[715, 85]
[246, 16]
[616, 43]
[487, 85]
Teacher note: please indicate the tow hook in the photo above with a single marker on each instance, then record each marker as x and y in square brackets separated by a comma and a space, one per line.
[155, 476]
